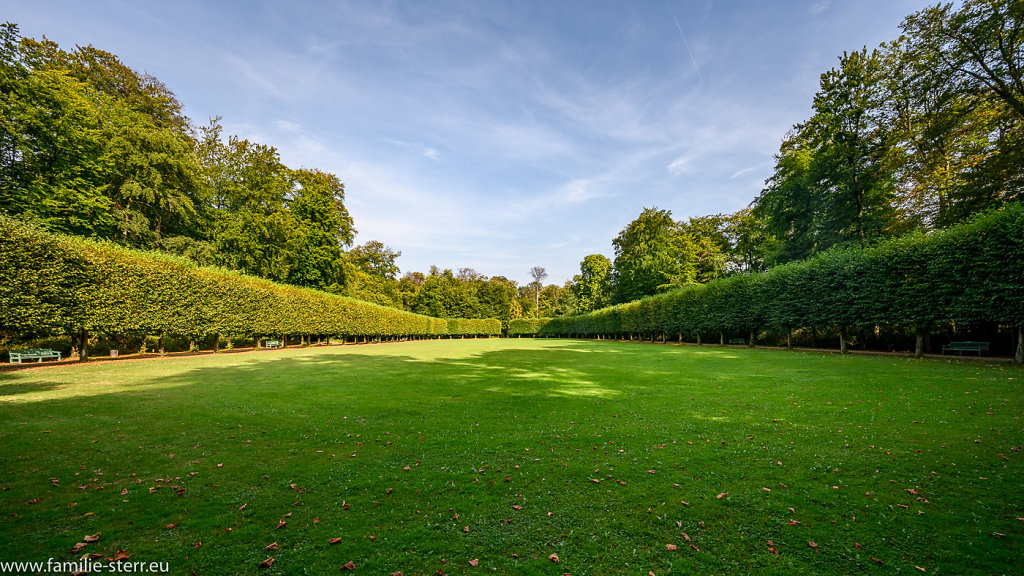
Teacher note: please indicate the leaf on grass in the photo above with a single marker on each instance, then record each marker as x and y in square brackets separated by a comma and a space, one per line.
[336, 540]
[91, 537]
[670, 547]
[794, 522]
[267, 563]
[345, 505]
[197, 545]
[474, 562]
[350, 566]
[120, 556]
[722, 495]
[242, 507]
[554, 558]
[316, 520]
[686, 536]
[921, 569]
[172, 525]
[281, 523]
[271, 546]
[858, 546]
[876, 560]
[78, 547]
[517, 507]
[913, 491]
[812, 543]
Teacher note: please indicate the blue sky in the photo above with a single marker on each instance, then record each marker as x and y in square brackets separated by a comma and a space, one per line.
[496, 135]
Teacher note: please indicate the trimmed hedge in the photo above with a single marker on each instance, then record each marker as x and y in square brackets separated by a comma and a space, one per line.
[56, 284]
[967, 275]
[527, 326]
[474, 327]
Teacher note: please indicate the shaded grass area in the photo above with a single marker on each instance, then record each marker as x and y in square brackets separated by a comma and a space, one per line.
[423, 456]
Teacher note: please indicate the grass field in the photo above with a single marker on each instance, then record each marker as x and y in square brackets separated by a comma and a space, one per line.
[421, 457]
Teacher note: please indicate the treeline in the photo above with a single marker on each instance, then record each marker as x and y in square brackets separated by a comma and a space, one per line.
[59, 285]
[920, 134]
[965, 277]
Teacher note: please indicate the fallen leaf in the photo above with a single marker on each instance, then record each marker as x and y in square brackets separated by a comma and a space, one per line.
[686, 536]
[197, 545]
[120, 556]
[267, 563]
[722, 495]
[474, 562]
[857, 546]
[517, 507]
[78, 547]
[281, 523]
[242, 507]
[918, 567]
[670, 547]
[169, 526]
[812, 543]
[92, 537]
[336, 540]
[554, 558]
[350, 566]
[466, 529]
[271, 546]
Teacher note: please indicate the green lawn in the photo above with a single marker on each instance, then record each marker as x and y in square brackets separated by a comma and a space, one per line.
[425, 456]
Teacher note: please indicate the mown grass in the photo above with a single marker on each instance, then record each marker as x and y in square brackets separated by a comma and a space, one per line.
[423, 456]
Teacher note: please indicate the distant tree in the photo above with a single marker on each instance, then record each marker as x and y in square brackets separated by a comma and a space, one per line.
[373, 257]
[592, 287]
[539, 274]
[646, 257]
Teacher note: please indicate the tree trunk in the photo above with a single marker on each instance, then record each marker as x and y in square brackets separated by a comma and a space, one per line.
[842, 339]
[752, 337]
[814, 337]
[160, 343]
[789, 338]
[698, 338]
[919, 342]
[216, 343]
[721, 338]
[83, 345]
[1019, 356]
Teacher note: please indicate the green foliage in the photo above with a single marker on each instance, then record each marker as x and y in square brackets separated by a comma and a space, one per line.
[970, 274]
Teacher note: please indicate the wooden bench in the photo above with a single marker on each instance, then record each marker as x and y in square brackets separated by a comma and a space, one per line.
[961, 347]
[37, 354]
[271, 343]
[737, 341]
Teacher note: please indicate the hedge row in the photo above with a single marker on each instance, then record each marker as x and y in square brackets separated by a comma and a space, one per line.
[528, 326]
[967, 275]
[474, 327]
[57, 284]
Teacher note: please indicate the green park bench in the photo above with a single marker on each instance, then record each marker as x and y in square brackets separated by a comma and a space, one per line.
[271, 343]
[961, 347]
[37, 354]
[737, 341]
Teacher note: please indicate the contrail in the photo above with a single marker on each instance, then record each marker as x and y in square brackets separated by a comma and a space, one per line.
[687, 45]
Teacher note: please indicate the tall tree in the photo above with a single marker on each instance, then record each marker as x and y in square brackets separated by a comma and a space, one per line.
[646, 257]
[539, 274]
[592, 287]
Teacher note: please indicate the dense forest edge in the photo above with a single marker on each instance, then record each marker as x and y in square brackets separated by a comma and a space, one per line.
[907, 144]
